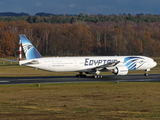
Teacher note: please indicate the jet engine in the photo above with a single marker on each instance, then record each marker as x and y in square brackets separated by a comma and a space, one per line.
[120, 70]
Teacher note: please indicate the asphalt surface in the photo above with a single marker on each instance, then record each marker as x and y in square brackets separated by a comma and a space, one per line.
[72, 79]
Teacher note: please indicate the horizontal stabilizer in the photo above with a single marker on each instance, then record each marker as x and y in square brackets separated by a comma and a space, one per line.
[30, 62]
[11, 60]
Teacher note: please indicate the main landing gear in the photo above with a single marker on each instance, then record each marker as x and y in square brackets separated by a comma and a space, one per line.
[81, 75]
[96, 75]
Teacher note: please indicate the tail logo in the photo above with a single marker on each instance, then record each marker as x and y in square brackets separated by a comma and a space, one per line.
[26, 47]
[29, 50]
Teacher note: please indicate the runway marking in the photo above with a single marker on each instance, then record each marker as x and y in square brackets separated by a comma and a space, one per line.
[4, 81]
[31, 79]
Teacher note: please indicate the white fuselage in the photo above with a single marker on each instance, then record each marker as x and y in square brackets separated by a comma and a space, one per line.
[85, 64]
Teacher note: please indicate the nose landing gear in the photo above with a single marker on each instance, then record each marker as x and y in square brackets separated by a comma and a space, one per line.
[146, 72]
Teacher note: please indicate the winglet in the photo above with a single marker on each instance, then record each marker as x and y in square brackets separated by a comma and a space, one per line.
[29, 50]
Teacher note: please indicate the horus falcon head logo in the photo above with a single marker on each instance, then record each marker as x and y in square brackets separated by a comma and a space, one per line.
[133, 63]
[27, 47]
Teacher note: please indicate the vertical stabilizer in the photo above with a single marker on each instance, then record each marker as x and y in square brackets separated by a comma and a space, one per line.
[29, 50]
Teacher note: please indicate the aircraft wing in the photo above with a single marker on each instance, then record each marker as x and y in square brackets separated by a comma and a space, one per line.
[101, 67]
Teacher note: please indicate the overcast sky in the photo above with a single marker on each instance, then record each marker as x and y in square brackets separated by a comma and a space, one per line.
[105, 7]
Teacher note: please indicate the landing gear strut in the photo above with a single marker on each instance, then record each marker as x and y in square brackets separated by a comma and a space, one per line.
[146, 72]
[80, 75]
[97, 75]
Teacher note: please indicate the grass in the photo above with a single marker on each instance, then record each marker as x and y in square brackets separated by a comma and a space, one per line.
[77, 101]
[80, 101]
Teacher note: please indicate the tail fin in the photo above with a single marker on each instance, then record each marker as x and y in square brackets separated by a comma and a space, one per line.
[29, 50]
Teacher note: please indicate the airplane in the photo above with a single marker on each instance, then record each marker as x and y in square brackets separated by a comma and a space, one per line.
[118, 65]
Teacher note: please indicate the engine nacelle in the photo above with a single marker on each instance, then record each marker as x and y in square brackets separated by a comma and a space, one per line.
[120, 70]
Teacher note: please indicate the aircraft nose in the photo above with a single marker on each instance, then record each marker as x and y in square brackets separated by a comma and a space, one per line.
[154, 64]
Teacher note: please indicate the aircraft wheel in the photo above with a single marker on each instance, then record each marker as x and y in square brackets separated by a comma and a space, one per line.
[145, 74]
[80, 75]
[84, 76]
[77, 76]
[97, 76]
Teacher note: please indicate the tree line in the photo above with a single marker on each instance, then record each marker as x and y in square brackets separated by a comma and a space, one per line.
[64, 18]
[83, 38]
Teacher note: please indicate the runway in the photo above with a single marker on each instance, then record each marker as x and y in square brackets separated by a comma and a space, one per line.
[73, 79]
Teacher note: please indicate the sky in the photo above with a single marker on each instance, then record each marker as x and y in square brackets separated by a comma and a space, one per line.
[105, 7]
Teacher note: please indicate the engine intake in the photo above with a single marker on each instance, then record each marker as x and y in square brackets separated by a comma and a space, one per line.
[120, 70]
